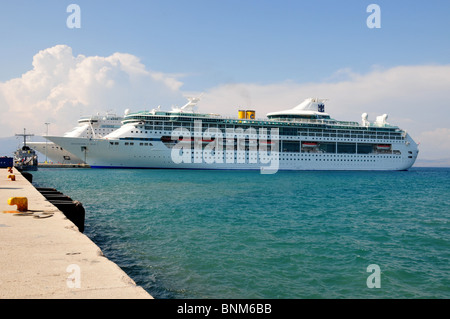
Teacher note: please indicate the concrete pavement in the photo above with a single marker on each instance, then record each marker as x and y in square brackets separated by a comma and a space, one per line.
[44, 256]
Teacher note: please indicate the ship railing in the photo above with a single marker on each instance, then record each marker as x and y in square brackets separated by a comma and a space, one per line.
[139, 117]
[289, 120]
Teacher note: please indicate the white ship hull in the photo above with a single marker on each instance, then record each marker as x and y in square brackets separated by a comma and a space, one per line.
[101, 153]
[302, 138]
[88, 127]
[55, 153]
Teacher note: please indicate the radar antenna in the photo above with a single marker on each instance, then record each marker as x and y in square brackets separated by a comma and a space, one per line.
[25, 135]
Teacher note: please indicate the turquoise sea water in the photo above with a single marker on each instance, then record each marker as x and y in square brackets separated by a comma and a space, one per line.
[225, 234]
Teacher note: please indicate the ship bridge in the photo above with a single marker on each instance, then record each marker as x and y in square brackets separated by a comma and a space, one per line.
[311, 108]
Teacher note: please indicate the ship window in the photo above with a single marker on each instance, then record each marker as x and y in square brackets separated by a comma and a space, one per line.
[365, 148]
[291, 147]
[346, 148]
[328, 147]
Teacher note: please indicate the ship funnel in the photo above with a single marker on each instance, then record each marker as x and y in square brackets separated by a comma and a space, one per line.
[246, 114]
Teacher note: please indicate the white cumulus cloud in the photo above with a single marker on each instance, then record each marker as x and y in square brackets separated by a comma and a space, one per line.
[416, 98]
[61, 87]
[436, 143]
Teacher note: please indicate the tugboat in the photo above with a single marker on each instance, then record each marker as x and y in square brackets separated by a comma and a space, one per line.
[25, 158]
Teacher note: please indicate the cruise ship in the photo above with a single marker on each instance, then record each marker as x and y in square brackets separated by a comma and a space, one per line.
[302, 138]
[95, 126]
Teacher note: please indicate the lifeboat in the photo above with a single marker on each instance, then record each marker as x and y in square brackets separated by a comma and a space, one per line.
[309, 144]
[383, 147]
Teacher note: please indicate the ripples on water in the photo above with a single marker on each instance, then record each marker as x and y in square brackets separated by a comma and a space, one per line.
[225, 234]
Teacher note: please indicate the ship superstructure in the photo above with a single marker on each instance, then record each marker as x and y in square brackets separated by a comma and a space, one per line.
[302, 138]
[95, 126]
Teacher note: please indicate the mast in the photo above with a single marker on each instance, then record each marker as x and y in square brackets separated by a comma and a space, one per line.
[24, 136]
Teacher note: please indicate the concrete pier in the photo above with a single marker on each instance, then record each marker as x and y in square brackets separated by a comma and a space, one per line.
[44, 256]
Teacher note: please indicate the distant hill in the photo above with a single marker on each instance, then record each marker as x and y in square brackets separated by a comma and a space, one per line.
[8, 145]
[444, 162]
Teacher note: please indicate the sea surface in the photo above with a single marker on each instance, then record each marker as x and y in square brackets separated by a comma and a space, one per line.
[291, 235]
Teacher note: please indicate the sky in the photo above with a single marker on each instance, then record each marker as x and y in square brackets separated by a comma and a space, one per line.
[265, 55]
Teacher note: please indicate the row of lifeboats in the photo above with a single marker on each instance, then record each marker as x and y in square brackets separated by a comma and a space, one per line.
[168, 139]
[386, 147]
[255, 142]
